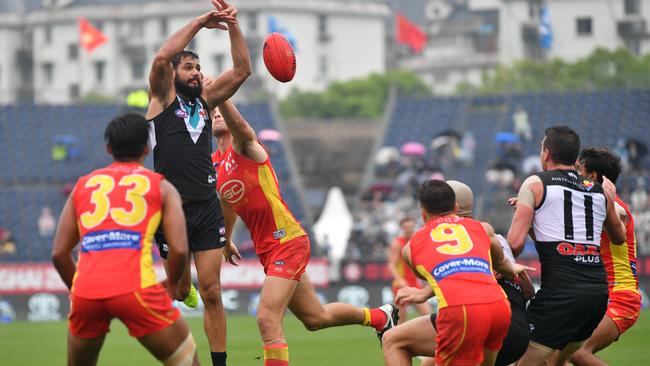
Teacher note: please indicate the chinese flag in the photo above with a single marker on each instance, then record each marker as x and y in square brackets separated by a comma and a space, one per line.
[410, 34]
[89, 36]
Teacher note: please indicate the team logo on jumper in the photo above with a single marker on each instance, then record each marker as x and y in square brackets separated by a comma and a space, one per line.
[181, 113]
[232, 191]
[588, 184]
[279, 234]
[110, 239]
[461, 265]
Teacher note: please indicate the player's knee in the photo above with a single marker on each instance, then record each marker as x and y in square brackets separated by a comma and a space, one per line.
[580, 357]
[268, 322]
[211, 295]
[313, 323]
[389, 340]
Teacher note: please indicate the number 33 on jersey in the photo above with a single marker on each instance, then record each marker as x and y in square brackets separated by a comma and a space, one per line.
[118, 209]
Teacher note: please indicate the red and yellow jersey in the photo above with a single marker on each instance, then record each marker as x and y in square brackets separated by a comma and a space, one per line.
[402, 268]
[252, 190]
[118, 209]
[453, 254]
[620, 260]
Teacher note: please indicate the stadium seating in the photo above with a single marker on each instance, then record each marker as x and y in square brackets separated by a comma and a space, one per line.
[34, 174]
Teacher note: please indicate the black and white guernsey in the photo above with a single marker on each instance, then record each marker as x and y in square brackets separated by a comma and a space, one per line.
[181, 139]
[568, 224]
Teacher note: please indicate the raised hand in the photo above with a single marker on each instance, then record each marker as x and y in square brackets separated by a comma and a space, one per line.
[213, 19]
[226, 10]
[609, 188]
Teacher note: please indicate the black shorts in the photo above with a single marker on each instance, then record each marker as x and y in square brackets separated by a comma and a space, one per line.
[205, 227]
[558, 318]
[516, 342]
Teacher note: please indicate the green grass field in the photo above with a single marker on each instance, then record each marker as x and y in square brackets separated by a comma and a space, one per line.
[25, 343]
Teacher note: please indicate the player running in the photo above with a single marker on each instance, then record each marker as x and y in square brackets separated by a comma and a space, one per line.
[249, 188]
[567, 214]
[403, 276]
[179, 115]
[620, 264]
[114, 213]
[455, 255]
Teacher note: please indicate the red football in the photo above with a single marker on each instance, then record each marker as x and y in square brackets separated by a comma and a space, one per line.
[279, 57]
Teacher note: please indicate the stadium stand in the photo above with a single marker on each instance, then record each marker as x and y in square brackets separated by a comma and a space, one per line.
[47, 148]
[607, 118]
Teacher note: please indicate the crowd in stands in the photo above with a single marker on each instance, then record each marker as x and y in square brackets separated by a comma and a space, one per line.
[495, 164]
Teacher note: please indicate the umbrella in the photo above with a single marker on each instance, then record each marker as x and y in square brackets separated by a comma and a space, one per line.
[386, 154]
[413, 148]
[380, 187]
[269, 135]
[506, 137]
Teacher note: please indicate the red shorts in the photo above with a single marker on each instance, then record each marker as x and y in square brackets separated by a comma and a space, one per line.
[623, 308]
[288, 260]
[143, 312]
[465, 330]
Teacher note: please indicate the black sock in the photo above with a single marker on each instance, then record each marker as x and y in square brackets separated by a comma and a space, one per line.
[218, 358]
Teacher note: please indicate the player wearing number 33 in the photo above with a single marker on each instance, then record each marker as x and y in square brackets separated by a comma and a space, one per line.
[114, 212]
[455, 255]
[567, 213]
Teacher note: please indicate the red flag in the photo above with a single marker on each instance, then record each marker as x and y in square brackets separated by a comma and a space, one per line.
[410, 34]
[89, 36]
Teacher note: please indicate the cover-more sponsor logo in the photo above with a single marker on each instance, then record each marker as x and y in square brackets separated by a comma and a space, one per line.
[461, 265]
[110, 239]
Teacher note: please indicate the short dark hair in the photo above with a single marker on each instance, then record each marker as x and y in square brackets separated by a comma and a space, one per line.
[176, 60]
[563, 143]
[127, 135]
[436, 197]
[405, 220]
[602, 161]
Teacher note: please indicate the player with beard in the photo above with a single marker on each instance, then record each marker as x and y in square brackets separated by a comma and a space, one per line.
[180, 135]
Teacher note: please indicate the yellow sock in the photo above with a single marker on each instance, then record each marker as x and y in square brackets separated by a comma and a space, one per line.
[276, 354]
[366, 316]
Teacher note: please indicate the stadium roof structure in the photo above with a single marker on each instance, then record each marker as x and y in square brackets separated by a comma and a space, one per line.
[19, 6]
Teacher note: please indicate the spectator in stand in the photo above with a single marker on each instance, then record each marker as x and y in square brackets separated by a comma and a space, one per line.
[7, 245]
[521, 125]
[46, 223]
[639, 197]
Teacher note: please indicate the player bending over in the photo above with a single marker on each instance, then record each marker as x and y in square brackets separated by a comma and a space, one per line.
[620, 262]
[113, 212]
[249, 188]
[456, 256]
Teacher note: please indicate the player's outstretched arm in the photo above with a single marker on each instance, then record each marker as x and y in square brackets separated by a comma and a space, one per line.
[524, 214]
[229, 82]
[173, 223]
[244, 138]
[412, 295]
[230, 251]
[161, 86]
[500, 262]
[65, 239]
[613, 225]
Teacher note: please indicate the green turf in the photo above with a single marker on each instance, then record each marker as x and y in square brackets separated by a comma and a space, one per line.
[26, 343]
